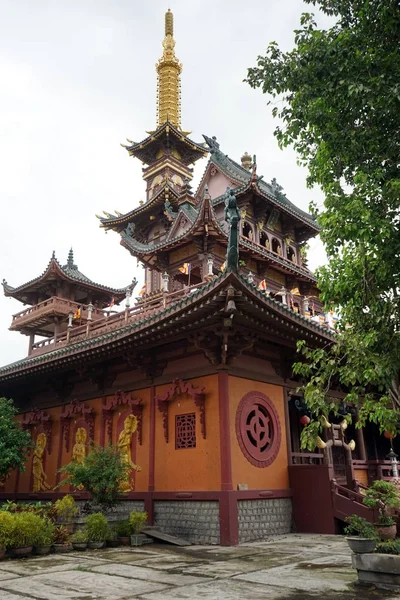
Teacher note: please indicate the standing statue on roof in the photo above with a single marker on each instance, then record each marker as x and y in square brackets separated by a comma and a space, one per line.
[232, 217]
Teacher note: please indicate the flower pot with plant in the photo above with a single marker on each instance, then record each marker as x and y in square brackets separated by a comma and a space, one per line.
[361, 534]
[96, 528]
[112, 537]
[79, 540]
[123, 529]
[6, 528]
[383, 496]
[137, 521]
[66, 510]
[25, 532]
[62, 542]
[44, 538]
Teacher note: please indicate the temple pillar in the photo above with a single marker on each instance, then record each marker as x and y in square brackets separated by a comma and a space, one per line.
[361, 443]
[31, 342]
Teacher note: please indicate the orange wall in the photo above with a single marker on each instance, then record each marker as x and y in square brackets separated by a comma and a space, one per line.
[194, 469]
[275, 476]
[361, 476]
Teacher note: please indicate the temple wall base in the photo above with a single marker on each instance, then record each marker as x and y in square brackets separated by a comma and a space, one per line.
[259, 519]
[196, 521]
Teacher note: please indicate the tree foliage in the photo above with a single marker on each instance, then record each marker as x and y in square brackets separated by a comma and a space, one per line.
[337, 96]
[100, 473]
[15, 443]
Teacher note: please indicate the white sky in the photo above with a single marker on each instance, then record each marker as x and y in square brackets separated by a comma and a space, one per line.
[78, 78]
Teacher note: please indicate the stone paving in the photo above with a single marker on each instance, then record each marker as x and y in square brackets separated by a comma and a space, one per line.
[291, 567]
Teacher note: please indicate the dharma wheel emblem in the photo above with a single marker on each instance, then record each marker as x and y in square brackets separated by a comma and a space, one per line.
[258, 429]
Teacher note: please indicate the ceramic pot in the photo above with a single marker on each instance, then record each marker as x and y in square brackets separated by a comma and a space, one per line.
[360, 545]
[79, 545]
[41, 550]
[95, 545]
[113, 543]
[125, 541]
[24, 551]
[59, 548]
[387, 533]
[137, 539]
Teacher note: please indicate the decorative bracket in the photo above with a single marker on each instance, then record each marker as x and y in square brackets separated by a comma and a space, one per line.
[179, 388]
[39, 417]
[122, 399]
[71, 411]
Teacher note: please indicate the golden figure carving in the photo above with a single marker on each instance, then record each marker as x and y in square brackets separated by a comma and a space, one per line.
[169, 69]
[79, 448]
[39, 476]
[124, 448]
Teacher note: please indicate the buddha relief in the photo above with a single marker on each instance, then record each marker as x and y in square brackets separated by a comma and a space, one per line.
[79, 448]
[124, 449]
[39, 476]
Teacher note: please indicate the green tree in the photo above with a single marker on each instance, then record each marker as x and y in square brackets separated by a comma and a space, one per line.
[337, 97]
[15, 443]
[100, 473]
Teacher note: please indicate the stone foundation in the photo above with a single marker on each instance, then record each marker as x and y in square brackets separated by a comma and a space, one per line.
[259, 519]
[382, 570]
[120, 512]
[195, 521]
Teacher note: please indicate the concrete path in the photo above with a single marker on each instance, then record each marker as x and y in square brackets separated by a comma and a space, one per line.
[292, 567]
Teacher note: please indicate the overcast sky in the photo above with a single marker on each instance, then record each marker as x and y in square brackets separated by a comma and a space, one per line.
[77, 79]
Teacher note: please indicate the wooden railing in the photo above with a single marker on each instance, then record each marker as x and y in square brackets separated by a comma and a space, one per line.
[307, 458]
[54, 304]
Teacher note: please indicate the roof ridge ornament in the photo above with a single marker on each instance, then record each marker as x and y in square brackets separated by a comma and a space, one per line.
[168, 81]
[232, 217]
[70, 260]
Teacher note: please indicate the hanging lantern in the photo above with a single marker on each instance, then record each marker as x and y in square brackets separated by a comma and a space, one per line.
[324, 422]
[304, 420]
[320, 443]
[352, 445]
[388, 435]
[343, 424]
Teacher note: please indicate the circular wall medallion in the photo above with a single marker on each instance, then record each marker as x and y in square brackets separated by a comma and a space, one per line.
[258, 430]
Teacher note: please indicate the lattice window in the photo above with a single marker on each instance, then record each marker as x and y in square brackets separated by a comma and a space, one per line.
[185, 431]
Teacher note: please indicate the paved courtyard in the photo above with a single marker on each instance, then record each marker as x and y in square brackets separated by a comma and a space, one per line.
[292, 567]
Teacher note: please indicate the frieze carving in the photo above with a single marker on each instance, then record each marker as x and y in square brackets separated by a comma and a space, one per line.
[76, 410]
[39, 418]
[179, 388]
[123, 399]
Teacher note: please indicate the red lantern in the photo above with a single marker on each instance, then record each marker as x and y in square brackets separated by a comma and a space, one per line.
[305, 420]
[388, 435]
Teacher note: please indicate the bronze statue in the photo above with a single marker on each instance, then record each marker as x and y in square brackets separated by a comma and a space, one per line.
[39, 476]
[232, 217]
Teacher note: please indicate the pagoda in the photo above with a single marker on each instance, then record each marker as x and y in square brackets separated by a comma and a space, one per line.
[59, 298]
[195, 379]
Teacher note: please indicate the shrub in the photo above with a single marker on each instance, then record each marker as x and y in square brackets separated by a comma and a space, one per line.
[15, 443]
[66, 508]
[111, 534]
[45, 536]
[388, 547]
[100, 473]
[6, 529]
[42, 509]
[79, 537]
[96, 527]
[360, 527]
[137, 521]
[123, 529]
[61, 535]
[382, 495]
[26, 530]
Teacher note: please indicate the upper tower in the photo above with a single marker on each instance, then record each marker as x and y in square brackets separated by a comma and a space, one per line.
[168, 82]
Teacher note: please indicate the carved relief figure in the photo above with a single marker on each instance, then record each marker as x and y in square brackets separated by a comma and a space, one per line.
[39, 476]
[124, 448]
[79, 449]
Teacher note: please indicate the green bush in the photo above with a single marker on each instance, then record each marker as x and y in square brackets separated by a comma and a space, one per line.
[111, 534]
[360, 527]
[382, 495]
[15, 443]
[100, 474]
[61, 536]
[137, 521]
[6, 529]
[123, 529]
[66, 508]
[42, 509]
[26, 530]
[96, 527]
[79, 537]
[389, 547]
[45, 536]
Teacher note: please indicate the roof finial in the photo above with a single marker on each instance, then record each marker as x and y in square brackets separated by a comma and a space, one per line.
[70, 261]
[168, 84]
[53, 254]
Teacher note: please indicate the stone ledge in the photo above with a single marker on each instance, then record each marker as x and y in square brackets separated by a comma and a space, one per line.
[383, 570]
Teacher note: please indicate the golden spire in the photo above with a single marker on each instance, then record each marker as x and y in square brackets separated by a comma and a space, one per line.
[168, 82]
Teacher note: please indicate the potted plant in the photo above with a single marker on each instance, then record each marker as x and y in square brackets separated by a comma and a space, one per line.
[79, 540]
[26, 527]
[96, 528]
[61, 539]
[111, 537]
[6, 528]
[66, 510]
[383, 495]
[123, 529]
[137, 521]
[361, 534]
[44, 537]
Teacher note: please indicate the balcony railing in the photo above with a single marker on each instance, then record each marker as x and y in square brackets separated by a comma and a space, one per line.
[53, 306]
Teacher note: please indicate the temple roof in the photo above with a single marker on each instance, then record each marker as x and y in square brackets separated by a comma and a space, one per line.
[201, 309]
[166, 135]
[68, 272]
[244, 178]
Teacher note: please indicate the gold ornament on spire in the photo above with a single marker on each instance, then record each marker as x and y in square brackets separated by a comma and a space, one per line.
[168, 82]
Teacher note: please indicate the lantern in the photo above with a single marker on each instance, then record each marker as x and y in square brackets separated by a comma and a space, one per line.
[305, 420]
